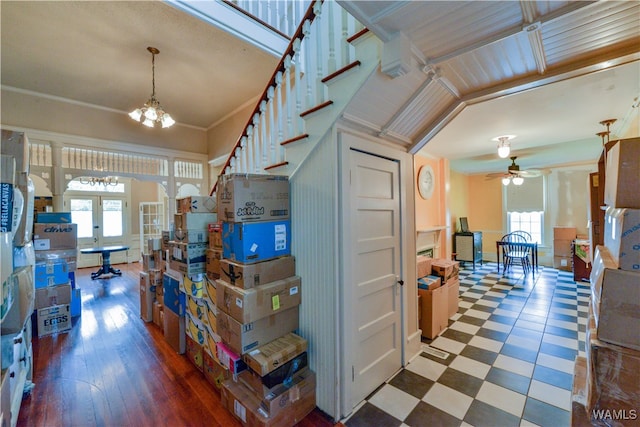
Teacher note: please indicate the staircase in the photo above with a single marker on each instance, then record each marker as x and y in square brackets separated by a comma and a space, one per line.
[329, 58]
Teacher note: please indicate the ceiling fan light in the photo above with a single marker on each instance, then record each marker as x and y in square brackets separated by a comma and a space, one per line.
[136, 114]
[518, 180]
[503, 151]
[506, 181]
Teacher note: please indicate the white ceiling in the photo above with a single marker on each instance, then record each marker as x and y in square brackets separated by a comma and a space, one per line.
[95, 52]
[486, 81]
[546, 71]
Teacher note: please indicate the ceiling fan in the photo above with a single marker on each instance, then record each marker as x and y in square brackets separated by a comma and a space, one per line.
[514, 173]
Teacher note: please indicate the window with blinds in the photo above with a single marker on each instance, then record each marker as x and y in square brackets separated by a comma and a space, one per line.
[525, 207]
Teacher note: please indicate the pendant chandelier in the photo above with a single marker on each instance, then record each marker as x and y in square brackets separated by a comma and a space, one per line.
[152, 112]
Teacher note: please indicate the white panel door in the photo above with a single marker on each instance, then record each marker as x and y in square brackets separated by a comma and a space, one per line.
[375, 293]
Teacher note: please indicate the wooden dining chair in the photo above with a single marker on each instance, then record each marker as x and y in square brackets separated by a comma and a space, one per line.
[525, 234]
[515, 252]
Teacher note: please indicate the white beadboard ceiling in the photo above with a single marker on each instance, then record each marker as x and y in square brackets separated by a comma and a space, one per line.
[546, 71]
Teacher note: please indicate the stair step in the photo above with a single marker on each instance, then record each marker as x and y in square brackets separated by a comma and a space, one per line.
[341, 71]
[357, 35]
[295, 139]
[277, 165]
[316, 108]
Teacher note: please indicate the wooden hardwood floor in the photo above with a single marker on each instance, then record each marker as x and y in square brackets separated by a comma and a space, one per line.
[113, 369]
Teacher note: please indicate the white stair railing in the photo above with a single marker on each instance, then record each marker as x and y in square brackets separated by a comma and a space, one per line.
[318, 48]
[283, 16]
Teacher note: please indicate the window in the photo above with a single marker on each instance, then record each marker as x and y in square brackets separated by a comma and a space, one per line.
[531, 222]
[525, 207]
[82, 214]
[76, 185]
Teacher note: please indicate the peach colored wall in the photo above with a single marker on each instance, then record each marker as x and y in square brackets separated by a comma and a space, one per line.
[481, 202]
[486, 212]
[459, 197]
[428, 212]
[222, 136]
[432, 212]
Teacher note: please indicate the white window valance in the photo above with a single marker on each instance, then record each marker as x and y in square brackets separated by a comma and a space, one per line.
[528, 197]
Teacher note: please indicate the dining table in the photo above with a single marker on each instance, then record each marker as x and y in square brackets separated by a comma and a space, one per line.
[525, 245]
[106, 251]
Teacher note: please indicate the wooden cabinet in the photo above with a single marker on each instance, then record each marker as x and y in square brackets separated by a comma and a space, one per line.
[468, 247]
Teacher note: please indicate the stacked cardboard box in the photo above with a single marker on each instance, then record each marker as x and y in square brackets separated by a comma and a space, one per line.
[562, 240]
[258, 295]
[58, 299]
[438, 295]
[187, 321]
[611, 389]
[151, 290]
[17, 263]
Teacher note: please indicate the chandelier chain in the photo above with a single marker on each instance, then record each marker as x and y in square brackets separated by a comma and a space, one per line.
[153, 75]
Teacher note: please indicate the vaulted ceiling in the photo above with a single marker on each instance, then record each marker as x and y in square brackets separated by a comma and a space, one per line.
[546, 71]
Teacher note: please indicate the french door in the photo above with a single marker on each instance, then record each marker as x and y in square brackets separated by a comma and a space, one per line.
[101, 222]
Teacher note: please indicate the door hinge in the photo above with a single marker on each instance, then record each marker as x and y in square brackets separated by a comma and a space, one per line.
[353, 373]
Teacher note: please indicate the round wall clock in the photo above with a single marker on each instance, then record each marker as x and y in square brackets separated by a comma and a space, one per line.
[426, 181]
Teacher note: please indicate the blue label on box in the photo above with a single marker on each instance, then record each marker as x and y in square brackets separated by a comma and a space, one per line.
[174, 300]
[256, 241]
[54, 217]
[51, 274]
[76, 302]
[6, 207]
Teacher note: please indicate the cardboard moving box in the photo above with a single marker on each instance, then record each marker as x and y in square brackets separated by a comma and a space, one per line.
[435, 308]
[246, 197]
[53, 295]
[249, 305]
[612, 374]
[248, 276]
[617, 306]
[564, 233]
[199, 204]
[445, 268]
[453, 293]
[239, 400]
[623, 174]
[174, 331]
[147, 297]
[276, 353]
[622, 237]
[54, 319]
[243, 338]
[256, 241]
[424, 265]
[49, 236]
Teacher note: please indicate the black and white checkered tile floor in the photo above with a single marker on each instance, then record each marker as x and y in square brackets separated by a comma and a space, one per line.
[509, 351]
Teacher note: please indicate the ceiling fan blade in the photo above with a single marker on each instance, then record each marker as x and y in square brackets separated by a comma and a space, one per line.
[530, 173]
[497, 175]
